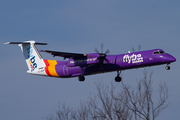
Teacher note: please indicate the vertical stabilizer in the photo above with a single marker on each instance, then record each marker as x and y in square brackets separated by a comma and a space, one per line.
[32, 56]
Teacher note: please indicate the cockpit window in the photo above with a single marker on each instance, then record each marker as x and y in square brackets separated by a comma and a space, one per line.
[158, 52]
[161, 52]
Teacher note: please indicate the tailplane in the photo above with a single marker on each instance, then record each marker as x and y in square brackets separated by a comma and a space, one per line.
[32, 56]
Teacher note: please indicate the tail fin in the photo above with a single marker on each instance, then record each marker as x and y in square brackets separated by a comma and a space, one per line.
[33, 58]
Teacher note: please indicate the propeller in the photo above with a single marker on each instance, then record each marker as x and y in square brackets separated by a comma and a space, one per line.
[139, 48]
[102, 56]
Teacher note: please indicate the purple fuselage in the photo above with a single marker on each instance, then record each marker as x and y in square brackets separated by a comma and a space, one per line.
[91, 64]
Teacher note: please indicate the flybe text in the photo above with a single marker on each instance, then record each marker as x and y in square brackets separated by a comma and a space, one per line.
[133, 58]
[32, 60]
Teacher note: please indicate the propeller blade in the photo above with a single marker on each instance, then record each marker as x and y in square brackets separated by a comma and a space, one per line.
[107, 51]
[96, 50]
[106, 60]
[102, 48]
[133, 49]
[102, 56]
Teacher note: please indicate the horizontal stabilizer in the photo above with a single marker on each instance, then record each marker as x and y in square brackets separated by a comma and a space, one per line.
[26, 42]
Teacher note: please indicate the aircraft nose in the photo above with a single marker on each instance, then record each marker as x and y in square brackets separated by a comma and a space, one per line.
[171, 58]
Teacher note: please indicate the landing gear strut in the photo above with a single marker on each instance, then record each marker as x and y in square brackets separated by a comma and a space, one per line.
[81, 78]
[117, 78]
[167, 67]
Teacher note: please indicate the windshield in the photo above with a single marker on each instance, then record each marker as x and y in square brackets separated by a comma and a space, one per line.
[159, 52]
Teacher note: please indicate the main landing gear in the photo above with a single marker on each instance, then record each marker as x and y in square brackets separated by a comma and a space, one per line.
[81, 78]
[118, 78]
[167, 67]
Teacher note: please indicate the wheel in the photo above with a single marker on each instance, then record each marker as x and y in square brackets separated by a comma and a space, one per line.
[81, 78]
[118, 79]
[167, 67]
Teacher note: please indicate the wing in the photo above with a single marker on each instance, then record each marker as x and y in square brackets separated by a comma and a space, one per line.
[65, 54]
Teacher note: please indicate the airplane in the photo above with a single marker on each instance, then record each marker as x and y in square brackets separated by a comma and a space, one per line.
[80, 65]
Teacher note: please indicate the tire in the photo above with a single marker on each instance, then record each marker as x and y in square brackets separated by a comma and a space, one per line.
[81, 78]
[167, 67]
[118, 79]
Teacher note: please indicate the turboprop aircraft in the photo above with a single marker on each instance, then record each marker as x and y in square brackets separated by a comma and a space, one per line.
[80, 65]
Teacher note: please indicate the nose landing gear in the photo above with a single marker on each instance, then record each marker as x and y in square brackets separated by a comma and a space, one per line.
[118, 78]
[167, 67]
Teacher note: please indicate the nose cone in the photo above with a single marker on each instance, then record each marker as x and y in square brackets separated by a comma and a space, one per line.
[173, 59]
[170, 58]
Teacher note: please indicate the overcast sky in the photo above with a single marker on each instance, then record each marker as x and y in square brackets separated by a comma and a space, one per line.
[80, 26]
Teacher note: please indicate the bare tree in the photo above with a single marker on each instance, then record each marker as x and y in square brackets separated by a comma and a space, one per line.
[140, 100]
[105, 107]
[110, 103]
[62, 113]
